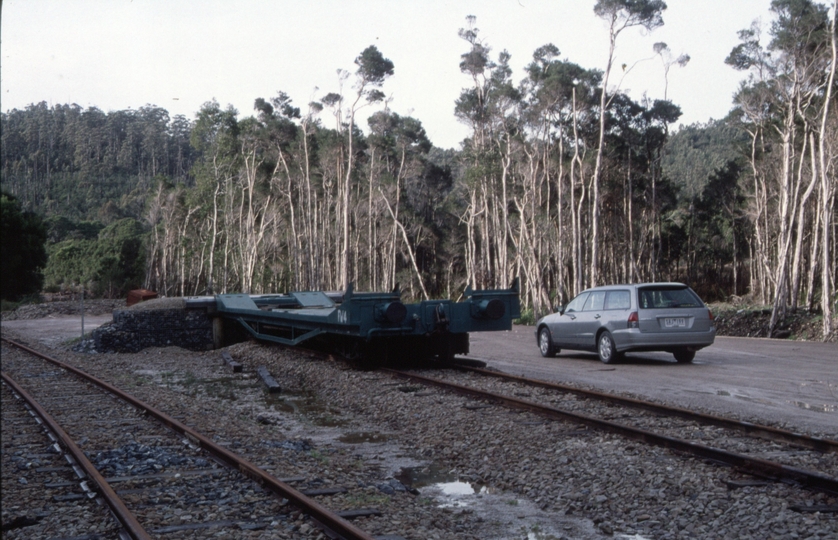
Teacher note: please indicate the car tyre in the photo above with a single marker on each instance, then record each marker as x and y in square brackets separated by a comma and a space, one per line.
[545, 343]
[607, 349]
[684, 356]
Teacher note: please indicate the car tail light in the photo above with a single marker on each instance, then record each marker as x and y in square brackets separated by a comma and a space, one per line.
[712, 318]
[633, 321]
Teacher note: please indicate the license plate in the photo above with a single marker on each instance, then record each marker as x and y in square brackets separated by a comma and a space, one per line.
[675, 322]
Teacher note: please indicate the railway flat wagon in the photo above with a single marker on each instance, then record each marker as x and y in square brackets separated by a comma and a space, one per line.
[374, 327]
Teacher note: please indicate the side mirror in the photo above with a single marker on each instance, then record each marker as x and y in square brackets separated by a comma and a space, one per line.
[560, 309]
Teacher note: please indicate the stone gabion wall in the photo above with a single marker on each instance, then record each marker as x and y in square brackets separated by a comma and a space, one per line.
[133, 331]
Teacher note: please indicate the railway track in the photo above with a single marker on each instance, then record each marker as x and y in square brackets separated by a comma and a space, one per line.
[536, 472]
[42, 471]
[761, 451]
[158, 476]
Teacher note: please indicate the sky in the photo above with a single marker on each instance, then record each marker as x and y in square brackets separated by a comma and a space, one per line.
[179, 54]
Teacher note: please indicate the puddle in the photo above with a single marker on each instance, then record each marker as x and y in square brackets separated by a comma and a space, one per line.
[456, 488]
[749, 399]
[224, 388]
[363, 437]
[438, 477]
[815, 407]
[755, 400]
[424, 476]
[503, 512]
[305, 404]
[825, 408]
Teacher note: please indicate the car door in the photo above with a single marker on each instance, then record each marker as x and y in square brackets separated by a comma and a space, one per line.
[589, 321]
[563, 324]
[615, 315]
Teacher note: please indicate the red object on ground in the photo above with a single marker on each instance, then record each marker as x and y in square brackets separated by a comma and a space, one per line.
[139, 295]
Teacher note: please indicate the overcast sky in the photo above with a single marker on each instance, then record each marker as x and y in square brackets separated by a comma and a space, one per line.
[178, 54]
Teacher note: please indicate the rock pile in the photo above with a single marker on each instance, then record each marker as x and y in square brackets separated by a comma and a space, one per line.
[801, 324]
[141, 327]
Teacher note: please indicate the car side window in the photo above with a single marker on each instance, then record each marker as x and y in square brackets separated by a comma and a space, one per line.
[618, 300]
[595, 301]
[577, 303]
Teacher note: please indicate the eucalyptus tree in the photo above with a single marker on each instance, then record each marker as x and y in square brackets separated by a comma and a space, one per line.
[827, 170]
[31, 140]
[560, 115]
[385, 167]
[544, 94]
[619, 15]
[471, 108]
[154, 142]
[257, 196]
[786, 103]
[654, 124]
[181, 154]
[163, 217]
[663, 51]
[373, 70]
[491, 107]
[397, 147]
[492, 171]
[308, 157]
[279, 133]
[214, 136]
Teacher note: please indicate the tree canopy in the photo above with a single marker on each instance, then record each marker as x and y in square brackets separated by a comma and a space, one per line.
[564, 181]
[23, 257]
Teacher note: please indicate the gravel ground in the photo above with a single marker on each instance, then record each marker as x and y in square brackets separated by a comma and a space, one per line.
[563, 469]
[524, 477]
[303, 427]
[63, 307]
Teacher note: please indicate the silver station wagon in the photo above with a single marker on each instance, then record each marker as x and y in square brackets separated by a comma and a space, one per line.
[616, 319]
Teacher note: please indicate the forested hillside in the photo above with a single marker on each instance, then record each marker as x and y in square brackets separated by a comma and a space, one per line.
[560, 183]
[87, 164]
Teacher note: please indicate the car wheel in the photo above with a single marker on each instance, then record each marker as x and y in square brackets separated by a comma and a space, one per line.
[607, 349]
[545, 343]
[684, 356]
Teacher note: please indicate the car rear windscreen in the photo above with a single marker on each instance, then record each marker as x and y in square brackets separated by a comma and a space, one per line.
[667, 297]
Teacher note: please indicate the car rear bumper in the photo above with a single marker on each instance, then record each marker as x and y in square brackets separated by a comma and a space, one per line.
[633, 339]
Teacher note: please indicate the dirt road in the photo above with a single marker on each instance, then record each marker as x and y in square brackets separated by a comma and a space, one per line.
[57, 330]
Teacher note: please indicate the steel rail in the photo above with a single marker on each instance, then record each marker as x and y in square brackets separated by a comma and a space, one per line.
[766, 432]
[120, 511]
[755, 466]
[328, 519]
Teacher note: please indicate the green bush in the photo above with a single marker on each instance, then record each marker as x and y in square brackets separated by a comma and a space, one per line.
[8, 305]
[109, 265]
[527, 317]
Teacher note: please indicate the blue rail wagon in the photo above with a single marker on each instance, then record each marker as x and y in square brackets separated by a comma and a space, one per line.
[375, 327]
